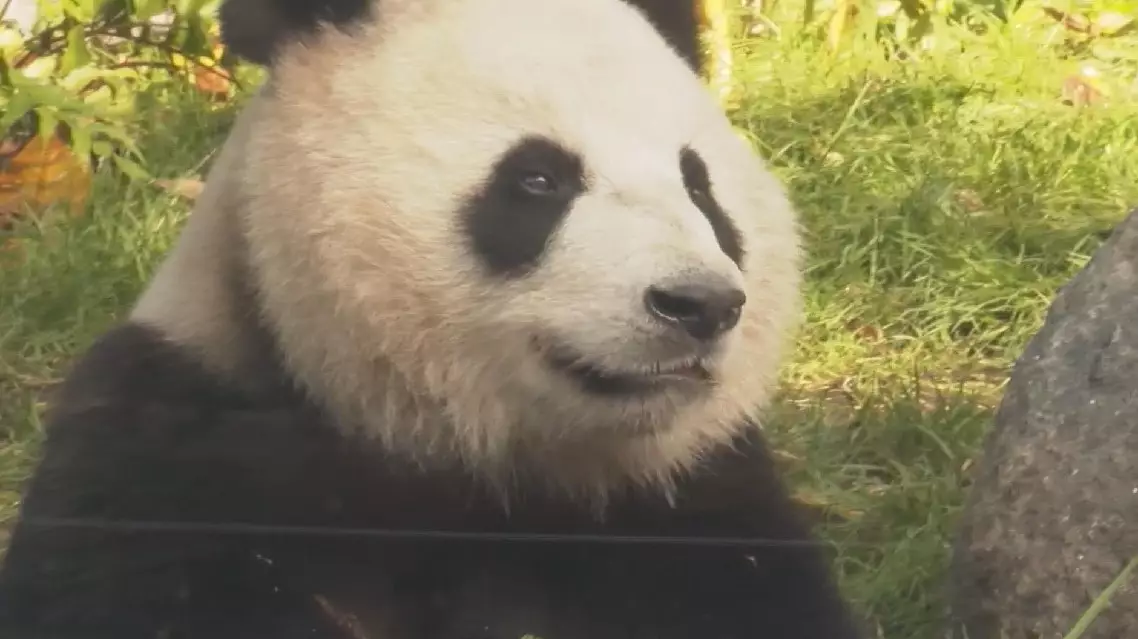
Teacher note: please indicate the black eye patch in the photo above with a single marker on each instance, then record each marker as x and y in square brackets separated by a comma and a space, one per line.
[697, 181]
[511, 217]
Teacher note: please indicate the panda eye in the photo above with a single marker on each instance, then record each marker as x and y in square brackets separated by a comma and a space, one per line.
[535, 183]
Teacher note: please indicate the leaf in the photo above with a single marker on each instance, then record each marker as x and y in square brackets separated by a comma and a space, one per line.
[888, 8]
[78, 79]
[82, 10]
[76, 54]
[193, 37]
[844, 13]
[914, 8]
[11, 42]
[47, 95]
[903, 27]
[117, 134]
[120, 108]
[101, 96]
[1110, 54]
[80, 142]
[48, 123]
[19, 106]
[130, 167]
[147, 9]
[39, 69]
[1112, 23]
[102, 148]
[189, 7]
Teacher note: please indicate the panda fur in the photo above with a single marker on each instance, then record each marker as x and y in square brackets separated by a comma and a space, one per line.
[462, 266]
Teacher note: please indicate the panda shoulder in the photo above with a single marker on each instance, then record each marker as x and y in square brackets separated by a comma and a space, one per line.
[138, 411]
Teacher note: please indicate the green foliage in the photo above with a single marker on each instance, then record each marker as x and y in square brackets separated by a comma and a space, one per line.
[79, 71]
[910, 28]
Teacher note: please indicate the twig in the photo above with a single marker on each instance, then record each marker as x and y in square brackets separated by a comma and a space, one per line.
[1102, 601]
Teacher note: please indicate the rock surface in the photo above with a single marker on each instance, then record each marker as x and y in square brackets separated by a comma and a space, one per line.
[1053, 514]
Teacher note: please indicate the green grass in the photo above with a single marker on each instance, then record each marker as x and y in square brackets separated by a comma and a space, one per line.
[944, 203]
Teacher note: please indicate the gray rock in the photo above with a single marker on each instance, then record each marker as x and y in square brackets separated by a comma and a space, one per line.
[1053, 514]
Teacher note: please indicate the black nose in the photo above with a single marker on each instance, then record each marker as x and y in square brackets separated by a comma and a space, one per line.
[704, 311]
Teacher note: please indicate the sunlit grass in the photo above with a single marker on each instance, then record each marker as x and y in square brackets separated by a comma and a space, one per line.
[944, 203]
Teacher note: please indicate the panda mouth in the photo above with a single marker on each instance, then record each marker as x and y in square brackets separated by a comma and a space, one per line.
[649, 379]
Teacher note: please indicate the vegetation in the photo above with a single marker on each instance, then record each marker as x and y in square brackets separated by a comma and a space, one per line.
[955, 163]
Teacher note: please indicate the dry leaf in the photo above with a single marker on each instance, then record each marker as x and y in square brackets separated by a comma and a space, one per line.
[41, 173]
[212, 80]
[1083, 89]
[868, 333]
[968, 200]
[189, 188]
[1076, 22]
[820, 507]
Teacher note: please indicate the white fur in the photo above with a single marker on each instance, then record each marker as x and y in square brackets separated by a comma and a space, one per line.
[346, 179]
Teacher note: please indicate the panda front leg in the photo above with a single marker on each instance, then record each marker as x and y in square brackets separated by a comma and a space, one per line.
[631, 593]
[143, 455]
[746, 563]
[729, 557]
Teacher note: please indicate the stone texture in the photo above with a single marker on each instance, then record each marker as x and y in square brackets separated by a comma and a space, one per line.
[1053, 514]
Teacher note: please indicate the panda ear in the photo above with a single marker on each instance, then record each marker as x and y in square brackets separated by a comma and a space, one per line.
[678, 21]
[256, 29]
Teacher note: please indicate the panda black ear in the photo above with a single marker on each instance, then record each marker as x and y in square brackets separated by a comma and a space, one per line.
[255, 29]
[678, 21]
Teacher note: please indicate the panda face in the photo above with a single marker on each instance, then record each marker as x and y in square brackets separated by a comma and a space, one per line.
[634, 286]
[502, 227]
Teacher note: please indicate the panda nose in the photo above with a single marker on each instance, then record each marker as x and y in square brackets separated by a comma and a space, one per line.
[704, 311]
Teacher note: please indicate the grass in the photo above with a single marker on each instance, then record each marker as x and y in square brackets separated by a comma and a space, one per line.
[944, 203]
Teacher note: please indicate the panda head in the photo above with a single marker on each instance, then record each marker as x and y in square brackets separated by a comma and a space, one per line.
[517, 236]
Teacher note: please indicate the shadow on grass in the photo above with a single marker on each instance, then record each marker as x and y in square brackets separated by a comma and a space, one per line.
[891, 473]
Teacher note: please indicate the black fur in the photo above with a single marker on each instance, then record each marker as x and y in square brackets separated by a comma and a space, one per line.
[678, 22]
[698, 184]
[140, 432]
[509, 220]
[255, 29]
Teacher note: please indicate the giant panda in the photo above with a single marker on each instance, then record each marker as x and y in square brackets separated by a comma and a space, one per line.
[465, 339]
